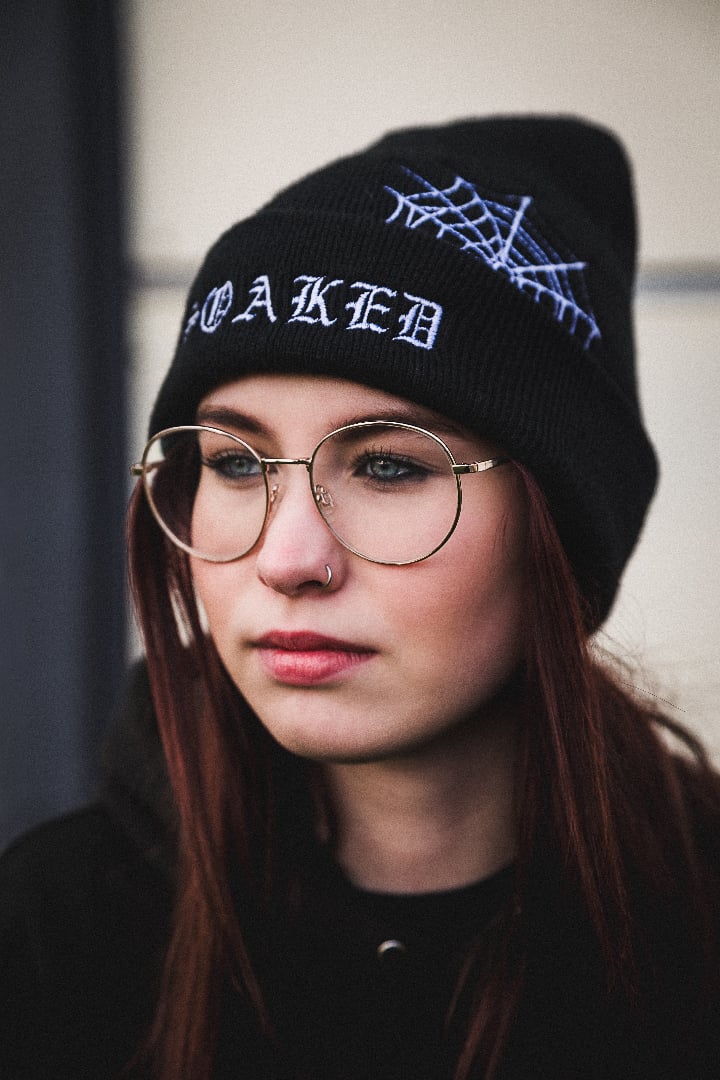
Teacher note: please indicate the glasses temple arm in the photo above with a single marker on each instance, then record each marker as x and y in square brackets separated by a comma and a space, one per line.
[463, 469]
[138, 468]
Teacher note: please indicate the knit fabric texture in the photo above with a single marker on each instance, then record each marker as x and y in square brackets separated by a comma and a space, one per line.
[483, 269]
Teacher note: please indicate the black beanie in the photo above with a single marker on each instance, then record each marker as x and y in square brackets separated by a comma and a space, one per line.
[483, 269]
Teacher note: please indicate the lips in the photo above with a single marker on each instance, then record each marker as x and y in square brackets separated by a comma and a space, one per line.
[304, 658]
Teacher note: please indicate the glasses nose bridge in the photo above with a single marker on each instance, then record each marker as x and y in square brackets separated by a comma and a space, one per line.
[267, 463]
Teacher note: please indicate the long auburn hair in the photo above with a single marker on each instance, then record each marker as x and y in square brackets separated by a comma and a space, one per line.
[597, 785]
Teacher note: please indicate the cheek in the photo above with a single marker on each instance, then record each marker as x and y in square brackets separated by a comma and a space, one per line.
[463, 612]
[219, 590]
[487, 595]
[481, 620]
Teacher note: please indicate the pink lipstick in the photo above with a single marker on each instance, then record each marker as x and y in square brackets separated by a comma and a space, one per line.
[304, 658]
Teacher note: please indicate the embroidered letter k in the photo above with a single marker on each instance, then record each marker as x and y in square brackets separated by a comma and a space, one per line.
[311, 298]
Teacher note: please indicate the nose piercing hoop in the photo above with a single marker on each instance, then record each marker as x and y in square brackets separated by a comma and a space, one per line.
[326, 584]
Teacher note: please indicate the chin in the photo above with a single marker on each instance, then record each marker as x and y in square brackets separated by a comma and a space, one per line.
[344, 747]
[330, 749]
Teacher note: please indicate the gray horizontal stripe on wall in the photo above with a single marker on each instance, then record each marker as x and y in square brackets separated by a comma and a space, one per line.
[676, 277]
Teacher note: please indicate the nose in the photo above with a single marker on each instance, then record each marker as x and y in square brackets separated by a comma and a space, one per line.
[296, 547]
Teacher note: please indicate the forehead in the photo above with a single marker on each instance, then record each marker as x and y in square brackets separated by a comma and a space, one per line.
[314, 405]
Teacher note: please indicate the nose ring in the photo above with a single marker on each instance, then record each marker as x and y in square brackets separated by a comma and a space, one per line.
[326, 584]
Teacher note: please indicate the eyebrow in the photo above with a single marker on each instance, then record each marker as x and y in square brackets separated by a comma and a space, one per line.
[412, 414]
[223, 416]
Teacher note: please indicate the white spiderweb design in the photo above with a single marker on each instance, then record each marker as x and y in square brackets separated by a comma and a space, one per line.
[503, 237]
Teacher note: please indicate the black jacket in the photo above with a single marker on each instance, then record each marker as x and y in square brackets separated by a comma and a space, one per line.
[85, 907]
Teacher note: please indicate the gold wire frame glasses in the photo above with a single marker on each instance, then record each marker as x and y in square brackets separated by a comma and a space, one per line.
[390, 492]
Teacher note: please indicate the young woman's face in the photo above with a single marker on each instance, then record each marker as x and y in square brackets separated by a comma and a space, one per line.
[385, 661]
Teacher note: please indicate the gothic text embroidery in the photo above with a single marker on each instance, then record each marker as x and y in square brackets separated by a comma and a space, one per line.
[323, 302]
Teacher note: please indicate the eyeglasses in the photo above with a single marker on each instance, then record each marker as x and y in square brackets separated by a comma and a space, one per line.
[389, 492]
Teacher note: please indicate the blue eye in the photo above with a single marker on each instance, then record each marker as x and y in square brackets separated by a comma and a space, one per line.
[384, 468]
[233, 465]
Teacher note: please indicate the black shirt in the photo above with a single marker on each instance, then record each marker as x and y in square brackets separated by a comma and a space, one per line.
[359, 984]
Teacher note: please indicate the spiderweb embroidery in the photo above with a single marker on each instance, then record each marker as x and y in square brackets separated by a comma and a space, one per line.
[502, 235]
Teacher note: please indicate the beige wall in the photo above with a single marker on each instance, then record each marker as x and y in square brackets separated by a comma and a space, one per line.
[230, 101]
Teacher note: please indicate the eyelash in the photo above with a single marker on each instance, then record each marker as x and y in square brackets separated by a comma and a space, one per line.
[216, 461]
[413, 469]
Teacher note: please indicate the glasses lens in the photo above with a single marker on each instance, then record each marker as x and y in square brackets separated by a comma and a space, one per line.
[207, 491]
[387, 491]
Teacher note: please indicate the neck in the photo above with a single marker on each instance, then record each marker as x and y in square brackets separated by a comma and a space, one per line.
[435, 820]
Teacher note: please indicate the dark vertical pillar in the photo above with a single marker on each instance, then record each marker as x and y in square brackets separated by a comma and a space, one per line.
[62, 400]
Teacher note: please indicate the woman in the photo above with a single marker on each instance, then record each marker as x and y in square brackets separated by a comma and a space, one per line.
[403, 823]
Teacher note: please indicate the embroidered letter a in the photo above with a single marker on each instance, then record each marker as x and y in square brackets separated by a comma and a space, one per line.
[261, 298]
